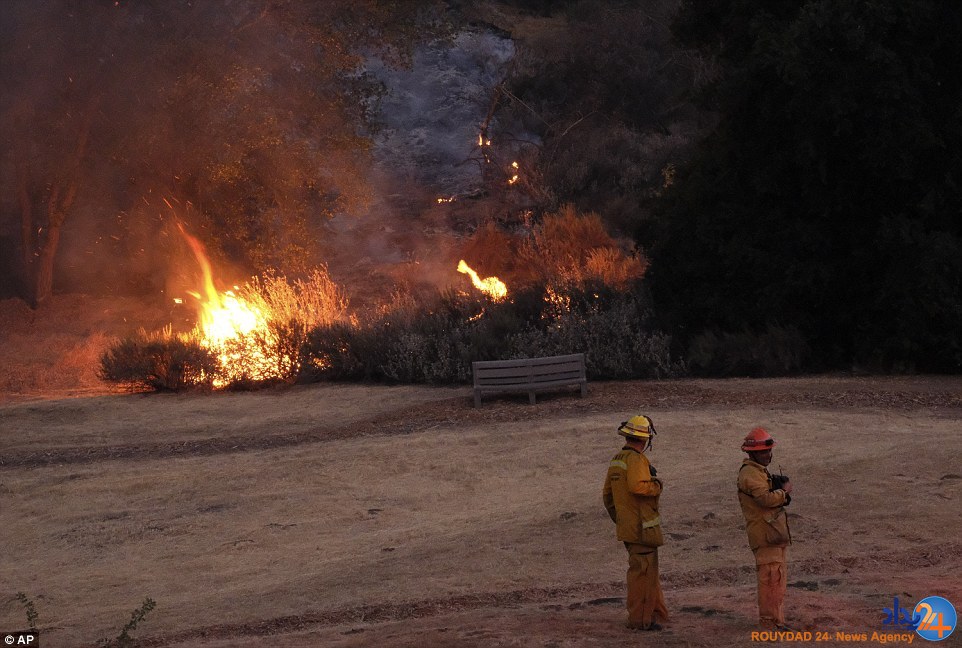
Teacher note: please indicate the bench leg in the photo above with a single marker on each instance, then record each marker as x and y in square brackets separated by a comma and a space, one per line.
[477, 398]
[531, 398]
[584, 389]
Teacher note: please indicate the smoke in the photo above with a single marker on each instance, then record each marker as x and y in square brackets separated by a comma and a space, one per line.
[213, 114]
[424, 146]
[433, 111]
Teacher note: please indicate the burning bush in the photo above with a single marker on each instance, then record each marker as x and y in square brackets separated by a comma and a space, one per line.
[287, 311]
[255, 336]
[308, 337]
[577, 293]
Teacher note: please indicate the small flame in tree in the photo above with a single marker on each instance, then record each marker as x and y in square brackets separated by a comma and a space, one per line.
[492, 286]
[515, 170]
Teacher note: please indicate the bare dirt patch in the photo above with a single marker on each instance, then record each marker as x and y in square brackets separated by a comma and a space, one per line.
[402, 516]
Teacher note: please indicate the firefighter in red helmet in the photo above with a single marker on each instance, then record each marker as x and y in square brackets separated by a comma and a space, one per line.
[763, 498]
[630, 495]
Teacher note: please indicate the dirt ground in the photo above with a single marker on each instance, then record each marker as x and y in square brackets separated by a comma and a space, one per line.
[339, 515]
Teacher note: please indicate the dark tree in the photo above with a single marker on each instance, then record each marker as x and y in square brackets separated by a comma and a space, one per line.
[829, 197]
[599, 88]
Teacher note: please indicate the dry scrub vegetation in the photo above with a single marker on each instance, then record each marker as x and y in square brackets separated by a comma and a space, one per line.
[56, 349]
[401, 516]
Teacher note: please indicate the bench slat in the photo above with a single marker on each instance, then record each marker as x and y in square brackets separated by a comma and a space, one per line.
[501, 372]
[534, 378]
[527, 362]
[510, 374]
[528, 375]
[527, 386]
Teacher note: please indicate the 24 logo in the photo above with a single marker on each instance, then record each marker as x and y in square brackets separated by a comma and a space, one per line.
[938, 618]
[933, 618]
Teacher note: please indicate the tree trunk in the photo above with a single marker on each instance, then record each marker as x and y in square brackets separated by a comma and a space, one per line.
[28, 240]
[39, 241]
[43, 274]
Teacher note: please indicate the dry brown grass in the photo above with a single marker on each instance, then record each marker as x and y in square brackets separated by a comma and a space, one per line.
[572, 248]
[473, 527]
[313, 301]
[57, 348]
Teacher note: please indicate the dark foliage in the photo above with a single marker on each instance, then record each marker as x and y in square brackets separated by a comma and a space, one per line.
[437, 345]
[776, 351]
[829, 197]
[602, 93]
[167, 363]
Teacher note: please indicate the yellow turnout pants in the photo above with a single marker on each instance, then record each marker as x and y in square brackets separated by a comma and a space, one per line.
[645, 602]
[771, 563]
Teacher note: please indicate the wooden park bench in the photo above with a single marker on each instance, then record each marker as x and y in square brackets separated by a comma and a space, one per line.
[528, 375]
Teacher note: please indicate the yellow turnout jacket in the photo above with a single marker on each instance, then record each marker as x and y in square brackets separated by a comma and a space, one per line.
[765, 519]
[631, 498]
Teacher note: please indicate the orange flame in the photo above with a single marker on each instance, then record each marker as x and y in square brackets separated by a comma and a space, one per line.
[491, 286]
[226, 318]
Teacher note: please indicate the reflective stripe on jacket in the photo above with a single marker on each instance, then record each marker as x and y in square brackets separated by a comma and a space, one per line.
[631, 494]
[765, 519]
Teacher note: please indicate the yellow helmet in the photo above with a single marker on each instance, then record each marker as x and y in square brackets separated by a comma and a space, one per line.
[637, 427]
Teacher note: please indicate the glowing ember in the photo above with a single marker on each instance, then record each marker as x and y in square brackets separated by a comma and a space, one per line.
[557, 303]
[477, 317]
[492, 286]
[514, 178]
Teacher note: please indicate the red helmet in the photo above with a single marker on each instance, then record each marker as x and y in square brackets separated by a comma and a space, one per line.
[758, 440]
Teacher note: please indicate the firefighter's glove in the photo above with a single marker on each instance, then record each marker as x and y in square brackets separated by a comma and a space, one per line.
[779, 481]
[654, 473]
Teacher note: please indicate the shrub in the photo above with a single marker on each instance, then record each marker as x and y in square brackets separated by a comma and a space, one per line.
[163, 362]
[275, 352]
[33, 617]
[612, 330]
[313, 301]
[404, 344]
[574, 248]
[437, 344]
[775, 351]
[412, 341]
[287, 312]
[124, 640]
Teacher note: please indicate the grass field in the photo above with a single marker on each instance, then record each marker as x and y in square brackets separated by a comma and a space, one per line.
[402, 516]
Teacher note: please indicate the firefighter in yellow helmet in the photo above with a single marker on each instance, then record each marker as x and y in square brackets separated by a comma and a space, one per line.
[763, 499]
[631, 497]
